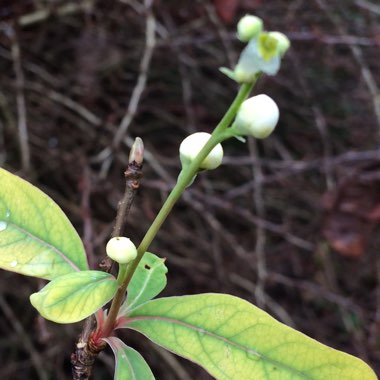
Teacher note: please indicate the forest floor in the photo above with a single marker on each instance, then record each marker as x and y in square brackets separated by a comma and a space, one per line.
[290, 223]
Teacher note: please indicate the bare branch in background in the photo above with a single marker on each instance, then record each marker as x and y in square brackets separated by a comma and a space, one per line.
[64, 10]
[20, 98]
[258, 200]
[366, 72]
[137, 92]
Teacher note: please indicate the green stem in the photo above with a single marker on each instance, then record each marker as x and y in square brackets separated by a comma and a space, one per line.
[184, 180]
[122, 273]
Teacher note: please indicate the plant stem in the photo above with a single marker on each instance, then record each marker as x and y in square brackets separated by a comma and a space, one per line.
[132, 176]
[184, 179]
[86, 349]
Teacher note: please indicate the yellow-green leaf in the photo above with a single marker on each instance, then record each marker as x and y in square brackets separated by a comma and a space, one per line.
[148, 281]
[75, 296]
[129, 364]
[233, 339]
[36, 238]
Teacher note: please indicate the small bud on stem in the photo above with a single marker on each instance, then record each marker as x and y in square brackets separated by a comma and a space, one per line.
[193, 144]
[137, 152]
[257, 117]
[249, 27]
[121, 249]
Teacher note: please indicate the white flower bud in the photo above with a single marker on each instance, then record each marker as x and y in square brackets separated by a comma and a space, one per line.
[257, 116]
[283, 43]
[249, 27]
[121, 249]
[193, 144]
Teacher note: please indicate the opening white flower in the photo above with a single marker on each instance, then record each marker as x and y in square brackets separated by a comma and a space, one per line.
[121, 249]
[257, 117]
[193, 144]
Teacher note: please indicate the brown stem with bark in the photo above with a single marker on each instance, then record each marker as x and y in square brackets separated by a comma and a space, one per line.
[86, 348]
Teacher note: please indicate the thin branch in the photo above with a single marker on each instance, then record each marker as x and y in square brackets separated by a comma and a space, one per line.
[6, 122]
[281, 312]
[254, 220]
[222, 33]
[367, 75]
[258, 200]
[17, 326]
[132, 175]
[64, 10]
[86, 350]
[320, 121]
[141, 80]
[83, 359]
[150, 42]
[95, 120]
[374, 326]
[184, 72]
[368, 5]
[172, 361]
[88, 235]
[20, 97]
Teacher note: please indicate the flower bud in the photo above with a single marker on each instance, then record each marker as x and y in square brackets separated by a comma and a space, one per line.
[121, 250]
[249, 27]
[283, 43]
[257, 116]
[193, 144]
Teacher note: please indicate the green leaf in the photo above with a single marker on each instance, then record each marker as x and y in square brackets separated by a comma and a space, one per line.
[75, 296]
[233, 339]
[129, 364]
[36, 238]
[147, 282]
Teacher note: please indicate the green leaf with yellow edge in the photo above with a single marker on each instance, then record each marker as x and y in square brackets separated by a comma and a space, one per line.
[129, 364]
[233, 339]
[147, 282]
[36, 238]
[75, 296]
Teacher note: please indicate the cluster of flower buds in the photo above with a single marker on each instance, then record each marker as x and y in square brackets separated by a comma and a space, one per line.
[263, 52]
[257, 116]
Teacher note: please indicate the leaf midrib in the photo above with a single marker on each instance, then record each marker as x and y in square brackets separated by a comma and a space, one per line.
[215, 336]
[44, 243]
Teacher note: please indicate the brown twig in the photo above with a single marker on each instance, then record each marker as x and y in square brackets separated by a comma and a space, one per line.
[150, 42]
[86, 350]
[261, 267]
[369, 6]
[222, 32]
[64, 10]
[172, 362]
[20, 97]
[88, 234]
[319, 121]
[132, 176]
[28, 344]
[357, 53]
[85, 354]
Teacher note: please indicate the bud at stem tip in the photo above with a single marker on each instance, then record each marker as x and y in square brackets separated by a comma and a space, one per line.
[137, 152]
